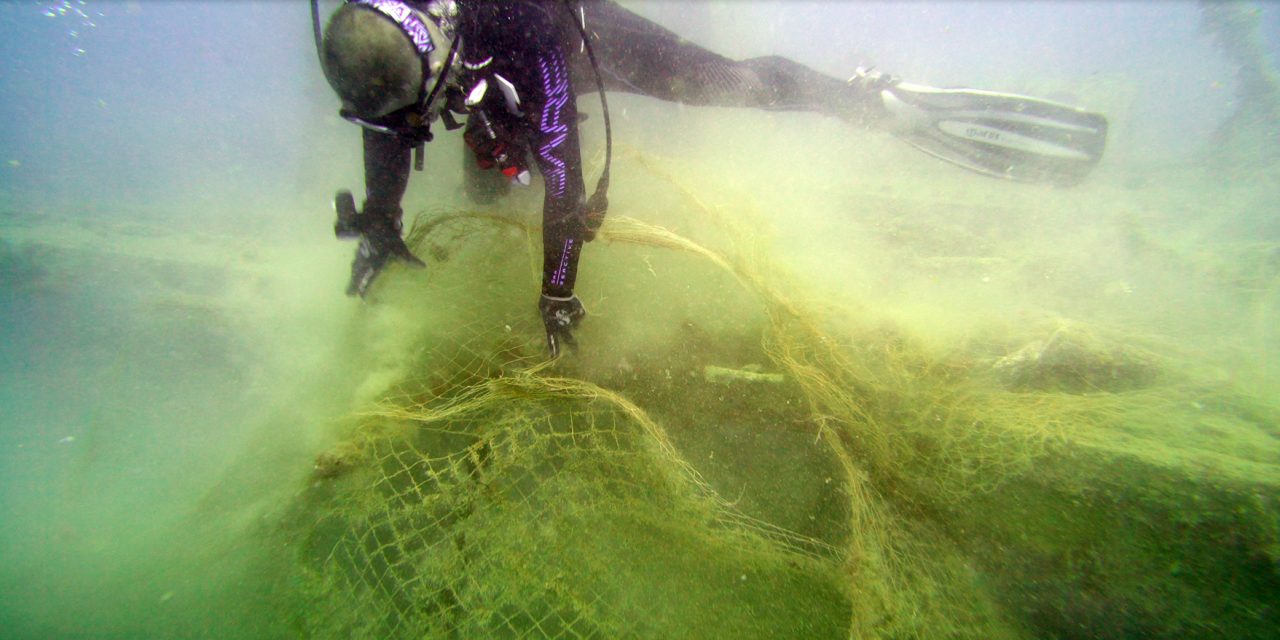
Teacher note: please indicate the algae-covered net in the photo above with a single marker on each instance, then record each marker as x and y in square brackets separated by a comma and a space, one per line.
[742, 463]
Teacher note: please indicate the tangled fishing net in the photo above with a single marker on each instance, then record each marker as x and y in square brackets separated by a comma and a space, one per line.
[743, 463]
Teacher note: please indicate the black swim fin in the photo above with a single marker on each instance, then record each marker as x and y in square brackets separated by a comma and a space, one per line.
[997, 134]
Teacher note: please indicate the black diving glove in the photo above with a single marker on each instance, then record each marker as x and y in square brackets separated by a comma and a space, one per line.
[559, 316]
[379, 233]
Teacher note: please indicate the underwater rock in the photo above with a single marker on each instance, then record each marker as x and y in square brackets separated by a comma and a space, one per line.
[20, 266]
[338, 460]
[1075, 361]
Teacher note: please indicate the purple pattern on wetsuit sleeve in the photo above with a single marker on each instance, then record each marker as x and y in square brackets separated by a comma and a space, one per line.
[562, 271]
[555, 86]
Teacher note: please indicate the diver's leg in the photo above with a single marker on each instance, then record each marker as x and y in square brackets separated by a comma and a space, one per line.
[639, 56]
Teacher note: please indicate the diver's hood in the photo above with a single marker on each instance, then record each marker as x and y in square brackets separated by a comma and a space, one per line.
[431, 30]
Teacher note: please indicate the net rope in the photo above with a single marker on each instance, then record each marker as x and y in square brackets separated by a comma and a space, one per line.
[490, 493]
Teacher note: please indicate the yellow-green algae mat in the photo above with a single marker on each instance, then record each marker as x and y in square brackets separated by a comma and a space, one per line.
[771, 468]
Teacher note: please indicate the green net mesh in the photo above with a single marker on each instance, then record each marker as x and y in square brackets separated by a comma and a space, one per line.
[746, 463]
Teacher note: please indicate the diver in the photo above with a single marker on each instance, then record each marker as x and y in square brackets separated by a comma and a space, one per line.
[514, 69]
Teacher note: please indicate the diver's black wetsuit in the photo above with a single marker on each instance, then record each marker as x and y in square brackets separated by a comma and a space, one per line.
[535, 49]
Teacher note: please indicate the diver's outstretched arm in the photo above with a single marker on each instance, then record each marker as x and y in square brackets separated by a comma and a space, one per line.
[378, 224]
[386, 169]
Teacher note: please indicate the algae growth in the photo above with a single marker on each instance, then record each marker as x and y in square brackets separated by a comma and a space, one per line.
[827, 387]
[757, 461]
